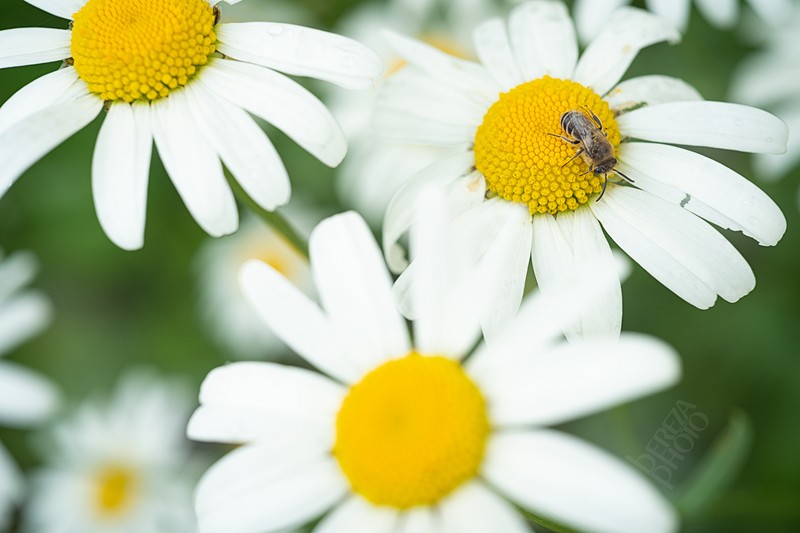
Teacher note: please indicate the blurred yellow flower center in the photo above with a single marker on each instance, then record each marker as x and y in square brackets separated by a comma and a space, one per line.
[521, 160]
[441, 42]
[114, 489]
[411, 431]
[141, 49]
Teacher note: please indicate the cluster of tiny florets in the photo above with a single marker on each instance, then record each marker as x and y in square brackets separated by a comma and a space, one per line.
[141, 49]
[411, 432]
[521, 160]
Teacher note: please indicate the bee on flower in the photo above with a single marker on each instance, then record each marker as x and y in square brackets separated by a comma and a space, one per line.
[524, 193]
[172, 72]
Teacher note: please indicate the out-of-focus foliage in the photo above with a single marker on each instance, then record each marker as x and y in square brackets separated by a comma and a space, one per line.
[116, 309]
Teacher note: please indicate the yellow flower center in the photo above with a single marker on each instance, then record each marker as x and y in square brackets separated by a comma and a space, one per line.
[114, 489]
[411, 431]
[141, 49]
[522, 160]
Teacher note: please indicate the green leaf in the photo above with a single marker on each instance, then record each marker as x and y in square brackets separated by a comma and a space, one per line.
[719, 467]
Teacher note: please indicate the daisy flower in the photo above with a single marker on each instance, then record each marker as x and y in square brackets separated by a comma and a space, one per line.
[118, 464]
[374, 170]
[26, 398]
[591, 15]
[771, 78]
[524, 176]
[403, 434]
[168, 71]
[226, 312]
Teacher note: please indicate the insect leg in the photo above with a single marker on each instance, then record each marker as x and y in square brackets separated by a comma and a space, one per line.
[605, 184]
[579, 152]
[570, 141]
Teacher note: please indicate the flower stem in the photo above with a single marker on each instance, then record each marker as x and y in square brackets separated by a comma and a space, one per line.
[273, 219]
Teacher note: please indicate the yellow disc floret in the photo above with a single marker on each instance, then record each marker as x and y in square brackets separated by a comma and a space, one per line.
[522, 160]
[411, 431]
[141, 49]
[115, 487]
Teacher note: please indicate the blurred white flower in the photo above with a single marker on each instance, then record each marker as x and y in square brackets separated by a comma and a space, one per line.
[118, 464]
[189, 91]
[403, 435]
[374, 170]
[523, 194]
[770, 78]
[592, 15]
[26, 398]
[227, 314]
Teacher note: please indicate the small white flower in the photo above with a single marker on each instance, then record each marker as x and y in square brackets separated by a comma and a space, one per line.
[406, 435]
[229, 316]
[592, 15]
[26, 398]
[522, 190]
[118, 465]
[771, 79]
[168, 72]
[374, 170]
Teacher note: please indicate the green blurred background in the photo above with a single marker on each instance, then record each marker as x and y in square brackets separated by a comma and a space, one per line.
[116, 309]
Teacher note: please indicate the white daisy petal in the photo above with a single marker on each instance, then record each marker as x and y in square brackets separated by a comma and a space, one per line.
[721, 13]
[60, 8]
[251, 490]
[650, 90]
[449, 70]
[39, 94]
[120, 170]
[712, 124]
[355, 290]
[475, 509]
[281, 102]
[12, 487]
[29, 140]
[193, 166]
[504, 267]
[400, 213]
[494, 52]
[27, 396]
[243, 147]
[588, 244]
[703, 186]
[356, 515]
[22, 317]
[16, 272]
[560, 246]
[610, 54]
[543, 39]
[774, 12]
[418, 520]
[575, 380]
[552, 311]
[443, 323]
[409, 109]
[590, 15]
[269, 402]
[31, 46]
[678, 249]
[561, 477]
[676, 12]
[293, 319]
[775, 166]
[301, 51]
